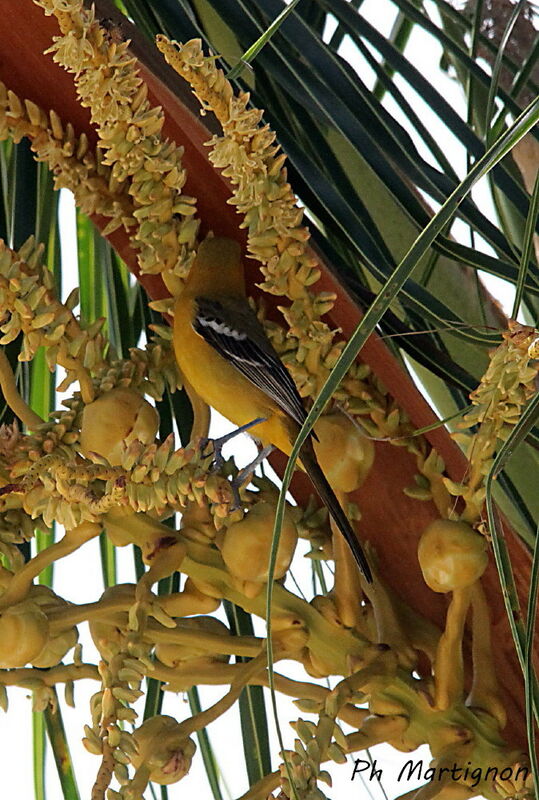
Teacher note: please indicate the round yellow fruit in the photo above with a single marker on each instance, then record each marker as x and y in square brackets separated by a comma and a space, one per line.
[116, 419]
[190, 601]
[344, 452]
[56, 646]
[163, 749]
[24, 632]
[451, 555]
[247, 544]
[107, 636]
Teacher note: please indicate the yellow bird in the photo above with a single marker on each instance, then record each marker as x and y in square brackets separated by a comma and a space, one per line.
[223, 352]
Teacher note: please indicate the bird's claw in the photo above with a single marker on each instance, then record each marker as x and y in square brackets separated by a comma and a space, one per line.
[245, 474]
[236, 501]
[216, 451]
[218, 444]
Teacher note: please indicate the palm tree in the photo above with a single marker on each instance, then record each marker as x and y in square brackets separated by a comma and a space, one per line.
[439, 650]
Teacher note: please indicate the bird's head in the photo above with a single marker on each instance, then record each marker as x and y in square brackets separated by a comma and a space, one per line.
[217, 268]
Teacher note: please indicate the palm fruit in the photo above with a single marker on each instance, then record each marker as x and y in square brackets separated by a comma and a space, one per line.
[207, 588]
[247, 544]
[199, 602]
[56, 646]
[116, 419]
[189, 601]
[451, 555]
[173, 654]
[163, 749]
[107, 635]
[24, 632]
[344, 452]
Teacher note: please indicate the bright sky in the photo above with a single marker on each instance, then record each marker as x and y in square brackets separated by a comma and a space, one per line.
[77, 576]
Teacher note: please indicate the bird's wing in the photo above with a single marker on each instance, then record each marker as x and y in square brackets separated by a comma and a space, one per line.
[232, 328]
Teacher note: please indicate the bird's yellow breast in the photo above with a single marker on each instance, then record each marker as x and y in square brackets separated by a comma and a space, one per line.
[221, 385]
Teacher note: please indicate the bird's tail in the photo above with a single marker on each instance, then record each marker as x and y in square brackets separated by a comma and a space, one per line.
[327, 495]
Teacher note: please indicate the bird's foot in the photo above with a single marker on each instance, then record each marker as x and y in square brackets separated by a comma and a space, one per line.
[218, 444]
[244, 475]
[215, 450]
